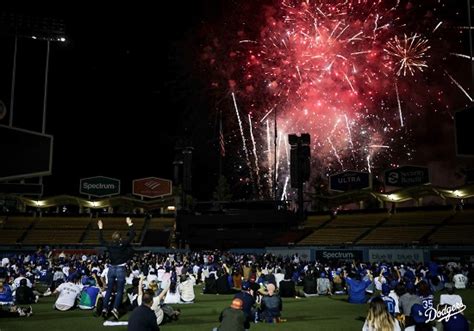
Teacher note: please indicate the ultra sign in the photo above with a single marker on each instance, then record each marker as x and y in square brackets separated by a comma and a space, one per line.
[350, 180]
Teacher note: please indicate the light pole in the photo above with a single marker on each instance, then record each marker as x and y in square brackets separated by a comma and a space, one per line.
[37, 28]
[300, 165]
[469, 9]
[275, 186]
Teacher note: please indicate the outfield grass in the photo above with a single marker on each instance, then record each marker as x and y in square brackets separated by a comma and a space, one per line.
[308, 314]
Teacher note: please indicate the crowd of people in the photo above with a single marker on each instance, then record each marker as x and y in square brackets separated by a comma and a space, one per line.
[151, 285]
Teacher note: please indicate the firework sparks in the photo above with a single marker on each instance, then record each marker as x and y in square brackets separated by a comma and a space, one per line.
[354, 60]
[464, 56]
[349, 134]
[400, 114]
[269, 159]
[459, 86]
[437, 27]
[369, 166]
[410, 53]
[244, 143]
[255, 155]
[284, 195]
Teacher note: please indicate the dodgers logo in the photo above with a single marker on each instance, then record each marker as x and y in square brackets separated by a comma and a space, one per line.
[444, 314]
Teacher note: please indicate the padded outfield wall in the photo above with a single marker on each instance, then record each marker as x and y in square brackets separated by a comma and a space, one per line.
[379, 254]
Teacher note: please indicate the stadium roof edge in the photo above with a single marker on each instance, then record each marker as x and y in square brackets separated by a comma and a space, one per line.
[401, 195]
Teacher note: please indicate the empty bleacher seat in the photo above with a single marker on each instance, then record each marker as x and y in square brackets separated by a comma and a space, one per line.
[18, 222]
[10, 236]
[454, 235]
[366, 220]
[395, 235]
[333, 236]
[418, 218]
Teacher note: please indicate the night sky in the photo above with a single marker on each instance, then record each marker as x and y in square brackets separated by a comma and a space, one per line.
[126, 87]
[122, 91]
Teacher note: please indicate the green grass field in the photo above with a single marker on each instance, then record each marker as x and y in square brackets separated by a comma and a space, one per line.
[317, 313]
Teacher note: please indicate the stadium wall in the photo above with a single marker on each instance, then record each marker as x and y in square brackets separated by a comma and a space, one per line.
[463, 254]
[378, 254]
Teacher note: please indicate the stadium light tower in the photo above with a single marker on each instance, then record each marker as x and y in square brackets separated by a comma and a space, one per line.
[37, 28]
[300, 165]
[471, 49]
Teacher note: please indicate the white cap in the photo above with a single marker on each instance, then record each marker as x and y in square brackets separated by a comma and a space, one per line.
[5, 261]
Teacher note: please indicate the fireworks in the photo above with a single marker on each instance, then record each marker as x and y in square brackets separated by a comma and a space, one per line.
[344, 71]
[410, 53]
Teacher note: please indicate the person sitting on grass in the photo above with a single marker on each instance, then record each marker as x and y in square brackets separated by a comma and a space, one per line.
[287, 287]
[173, 296]
[450, 298]
[164, 312]
[389, 301]
[418, 316]
[222, 283]
[68, 293]
[143, 318]
[89, 297]
[132, 295]
[271, 306]
[6, 294]
[338, 283]
[9, 311]
[24, 295]
[248, 300]
[356, 288]
[310, 284]
[210, 285]
[378, 317]
[406, 301]
[424, 292]
[186, 289]
[455, 323]
[233, 318]
[323, 285]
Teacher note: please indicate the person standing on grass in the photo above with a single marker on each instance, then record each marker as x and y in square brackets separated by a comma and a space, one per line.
[119, 252]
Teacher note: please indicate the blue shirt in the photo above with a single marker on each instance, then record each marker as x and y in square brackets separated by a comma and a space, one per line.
[88, 297]
[456, 323]
[427, 301]
[390, 303]
[357, 290]
[6, 296]
[248, 301]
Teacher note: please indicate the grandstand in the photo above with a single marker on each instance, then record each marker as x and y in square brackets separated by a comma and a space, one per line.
[251, 228]
[30, 230]
[447, 227]
[424, 227]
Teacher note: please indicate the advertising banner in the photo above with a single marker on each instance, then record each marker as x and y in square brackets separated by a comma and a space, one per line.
[396, 255]
[341, 255]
